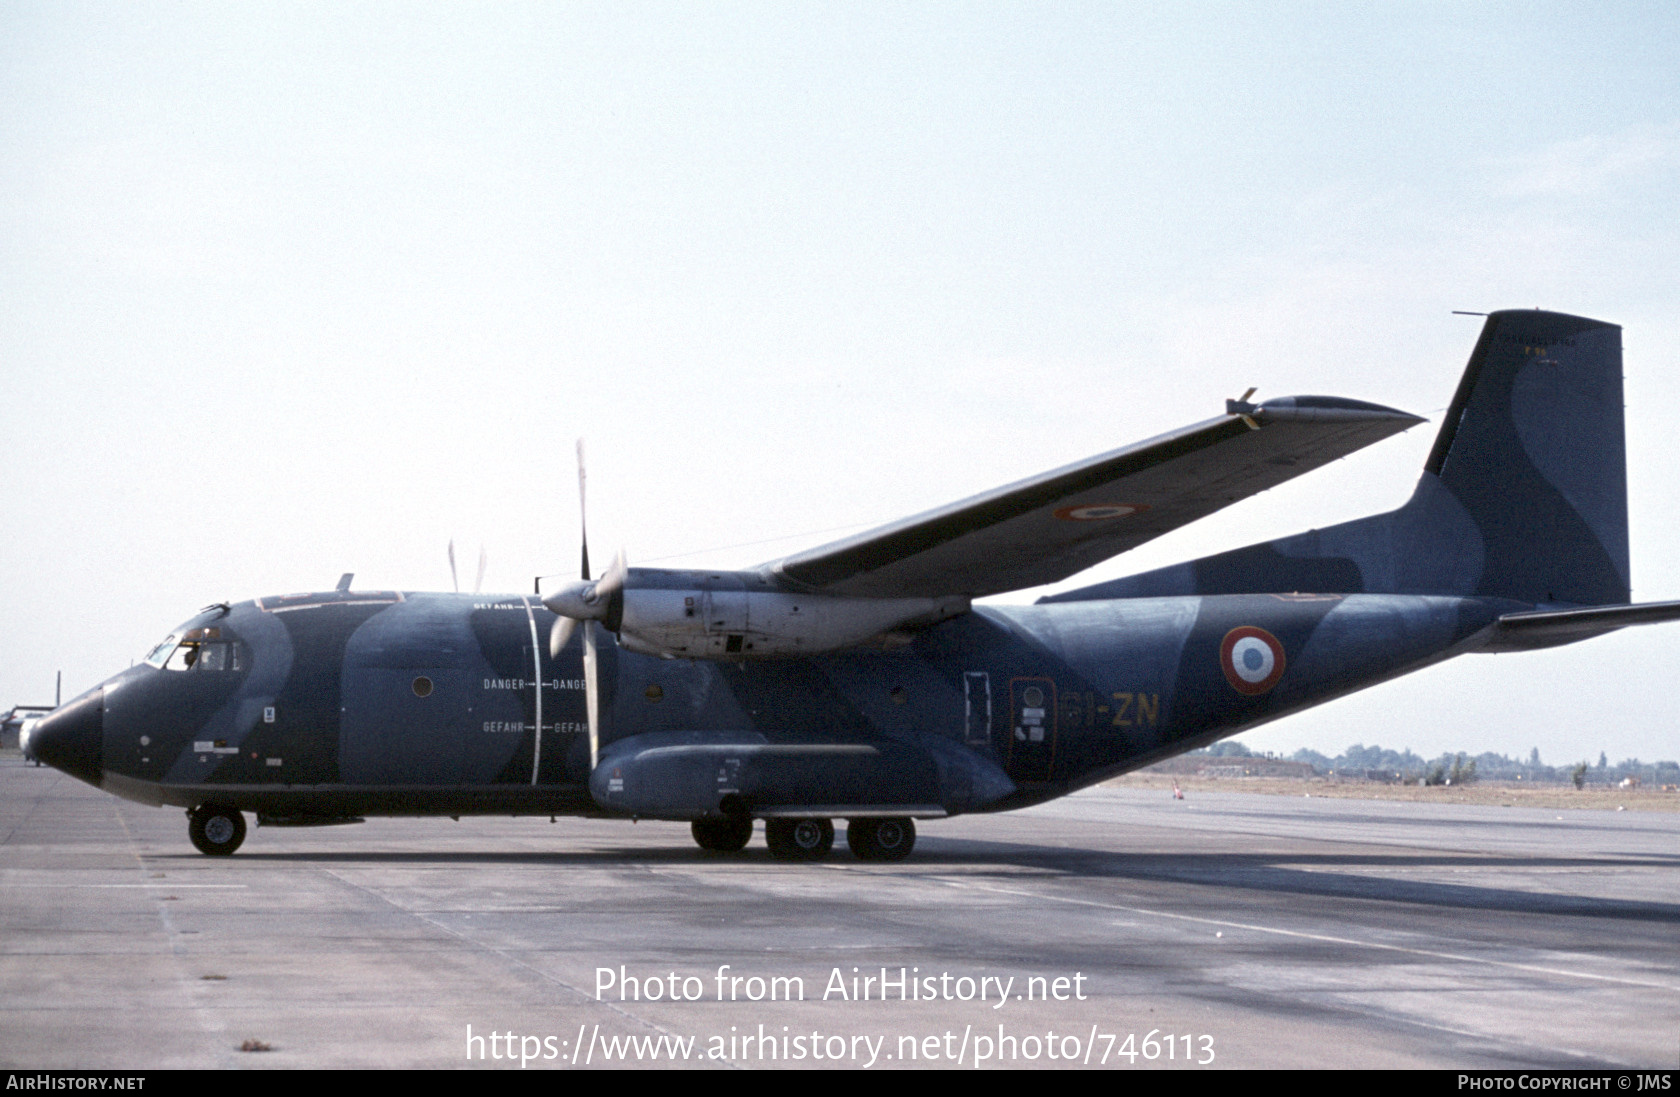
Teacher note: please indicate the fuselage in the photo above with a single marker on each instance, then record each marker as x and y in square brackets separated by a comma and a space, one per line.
[353, 703]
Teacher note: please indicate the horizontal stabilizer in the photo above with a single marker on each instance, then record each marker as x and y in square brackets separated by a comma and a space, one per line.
[1549, 628]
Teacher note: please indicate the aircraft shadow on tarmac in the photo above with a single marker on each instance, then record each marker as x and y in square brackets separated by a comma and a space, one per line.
[1281, 874]
[1312, 874]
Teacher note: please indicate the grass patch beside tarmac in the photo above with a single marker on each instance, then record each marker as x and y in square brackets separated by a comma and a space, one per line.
[1487, 793]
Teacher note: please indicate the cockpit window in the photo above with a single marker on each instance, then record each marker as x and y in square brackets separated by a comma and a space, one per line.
[215, 657]
[184, 657]
[160, 654]
[204, 649]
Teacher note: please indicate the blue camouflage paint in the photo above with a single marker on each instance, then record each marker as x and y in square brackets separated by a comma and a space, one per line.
[344, 703]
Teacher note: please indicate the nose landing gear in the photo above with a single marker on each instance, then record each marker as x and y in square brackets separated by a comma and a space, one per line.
[217, 831]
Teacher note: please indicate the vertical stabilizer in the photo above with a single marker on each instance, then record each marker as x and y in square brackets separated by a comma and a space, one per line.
[1533, 449]
[1524, 495]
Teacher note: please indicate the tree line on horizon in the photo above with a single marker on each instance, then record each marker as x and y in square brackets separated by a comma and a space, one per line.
[1463, 768]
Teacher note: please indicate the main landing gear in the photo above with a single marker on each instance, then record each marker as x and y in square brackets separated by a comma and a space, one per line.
[215, 830]
[889, 839]
[799, 839]
[881, 839]
[728, 835]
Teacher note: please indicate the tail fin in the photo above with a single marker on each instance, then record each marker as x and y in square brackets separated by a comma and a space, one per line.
[1533, 448]
[1524, 495]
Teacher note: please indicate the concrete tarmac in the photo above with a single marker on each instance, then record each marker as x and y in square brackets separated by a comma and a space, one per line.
[1124, 930]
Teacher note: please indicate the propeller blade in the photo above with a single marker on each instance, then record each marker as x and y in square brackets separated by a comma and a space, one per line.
[576, 604]
[560, 634]
[583, 509]
[591, 682]
[478, 584]
[613, 581]
[454, 579]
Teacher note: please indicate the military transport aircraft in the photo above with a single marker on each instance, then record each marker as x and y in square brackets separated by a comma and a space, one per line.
[859, 680]
[17, 724]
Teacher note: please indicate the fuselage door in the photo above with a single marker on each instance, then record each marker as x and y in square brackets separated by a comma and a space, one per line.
[404, 726]
[1032, 737]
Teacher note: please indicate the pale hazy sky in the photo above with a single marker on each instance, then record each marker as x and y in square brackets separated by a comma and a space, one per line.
[292, 290]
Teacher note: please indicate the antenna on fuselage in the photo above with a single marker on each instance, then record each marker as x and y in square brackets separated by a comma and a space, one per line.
[344, 580]
[455, 579]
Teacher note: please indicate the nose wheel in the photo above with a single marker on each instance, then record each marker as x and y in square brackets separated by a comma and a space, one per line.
[217, 831]
[799, 839]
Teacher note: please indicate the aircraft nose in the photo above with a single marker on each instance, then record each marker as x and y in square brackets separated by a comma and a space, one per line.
[72, 738]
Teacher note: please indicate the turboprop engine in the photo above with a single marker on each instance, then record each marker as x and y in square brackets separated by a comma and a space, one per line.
[736, 615]
[723, 614]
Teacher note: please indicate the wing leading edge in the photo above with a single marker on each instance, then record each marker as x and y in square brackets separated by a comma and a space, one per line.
[1048, 527]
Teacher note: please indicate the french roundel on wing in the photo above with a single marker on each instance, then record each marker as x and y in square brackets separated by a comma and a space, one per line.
[1097, 512]
[1252, 659]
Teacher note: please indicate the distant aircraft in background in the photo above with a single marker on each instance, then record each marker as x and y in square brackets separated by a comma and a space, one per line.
[17, 724]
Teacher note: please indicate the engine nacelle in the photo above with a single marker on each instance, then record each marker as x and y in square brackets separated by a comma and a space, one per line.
[715, 622]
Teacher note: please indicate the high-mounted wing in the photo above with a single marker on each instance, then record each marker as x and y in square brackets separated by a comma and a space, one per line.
[1057, 524]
